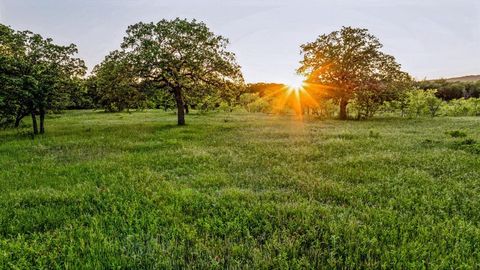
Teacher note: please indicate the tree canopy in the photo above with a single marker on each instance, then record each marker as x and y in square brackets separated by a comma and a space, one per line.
[348, 64]
[36, 75]
[447, 90]
[116, 85]
[180, 57]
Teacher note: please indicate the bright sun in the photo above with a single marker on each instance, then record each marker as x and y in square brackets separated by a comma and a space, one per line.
[296, 83]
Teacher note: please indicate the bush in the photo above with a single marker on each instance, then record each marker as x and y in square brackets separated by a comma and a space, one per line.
[373, 134]
[366, 103]
[462, 107]
[254, 103]
[423, 102]
[416, 103]
[457, 134]
[259, 105]
[326, 109]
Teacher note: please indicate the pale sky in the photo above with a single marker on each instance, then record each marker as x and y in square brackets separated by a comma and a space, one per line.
[430, 38]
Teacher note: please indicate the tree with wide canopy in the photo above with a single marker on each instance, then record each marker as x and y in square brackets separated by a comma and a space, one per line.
[348, 65]
[183, 58]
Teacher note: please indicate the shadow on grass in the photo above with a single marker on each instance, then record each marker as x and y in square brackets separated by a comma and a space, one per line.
[16, 134]
[22, 134]
[169, 127]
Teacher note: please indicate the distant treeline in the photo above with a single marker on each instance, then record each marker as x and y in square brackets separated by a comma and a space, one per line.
[87, 96]
[452, 90]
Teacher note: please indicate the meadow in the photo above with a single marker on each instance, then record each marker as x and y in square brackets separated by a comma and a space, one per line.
[240, 190]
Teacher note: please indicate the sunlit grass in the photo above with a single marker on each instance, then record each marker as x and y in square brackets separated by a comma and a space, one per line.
[240, 190]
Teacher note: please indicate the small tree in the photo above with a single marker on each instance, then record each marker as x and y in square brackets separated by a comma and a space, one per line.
[401, 103]
[416, 102]
[423, 102]
[432, 102]
[183, 58]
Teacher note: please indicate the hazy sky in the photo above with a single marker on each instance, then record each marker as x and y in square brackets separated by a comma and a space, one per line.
[430, 38]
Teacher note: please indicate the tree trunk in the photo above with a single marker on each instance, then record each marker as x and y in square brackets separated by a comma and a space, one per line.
[18, 118]
[17, 121]
[180, 107]
[343, 109]
[186, 108]
[42, 121]
[34, 124]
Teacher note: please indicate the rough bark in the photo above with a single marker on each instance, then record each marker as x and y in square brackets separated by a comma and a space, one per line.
[34, 124]
[18, 118]
[17, 121]
[343, 109]
[180, 107]
[42, 122]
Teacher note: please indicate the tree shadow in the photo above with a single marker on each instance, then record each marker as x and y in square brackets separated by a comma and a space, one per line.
[16, 134]
[169, 127]
[24, 134]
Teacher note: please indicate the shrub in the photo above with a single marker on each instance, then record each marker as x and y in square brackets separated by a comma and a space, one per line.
[468, 142]
[325, 109]
[416, 103]
[457, 134]
[254, 103]
[373, 134]
[462, 107]
[432, 102]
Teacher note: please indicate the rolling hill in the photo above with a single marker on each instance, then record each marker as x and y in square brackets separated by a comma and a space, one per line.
[469, 78]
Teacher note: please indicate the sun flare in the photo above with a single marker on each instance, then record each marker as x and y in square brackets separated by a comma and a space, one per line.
[296, 84]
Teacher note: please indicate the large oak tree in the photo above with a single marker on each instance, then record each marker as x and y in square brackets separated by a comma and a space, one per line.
[183, 58]
[349, 64]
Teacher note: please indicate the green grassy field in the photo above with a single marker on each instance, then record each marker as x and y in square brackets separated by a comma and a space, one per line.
[240, 191]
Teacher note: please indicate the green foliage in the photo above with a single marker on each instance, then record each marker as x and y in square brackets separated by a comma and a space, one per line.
[457, 134]
[183, 58]
[11, 81]
[255, 103]
[417, 102]
[326, 109]
[452, 90]
[36, 75]
[348, 65]
[462, 107]
[79, 93]
[159, 99]
[468, 142]
[422, 102]
[373, 134]
[468, 145]
[366, 103]
[432, 102]
[248, 191]
[116, 87]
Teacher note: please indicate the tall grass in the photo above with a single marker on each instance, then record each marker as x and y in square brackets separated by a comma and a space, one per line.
[240, 191]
